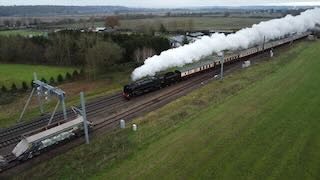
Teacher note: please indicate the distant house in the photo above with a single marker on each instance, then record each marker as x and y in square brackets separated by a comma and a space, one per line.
[102, 29]
[176, 41]
[99, 29]
[222, 31]
[192, 37]
[57, 30]
[196, 34]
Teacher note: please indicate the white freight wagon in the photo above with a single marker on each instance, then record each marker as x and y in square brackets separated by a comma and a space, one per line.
[34, 144]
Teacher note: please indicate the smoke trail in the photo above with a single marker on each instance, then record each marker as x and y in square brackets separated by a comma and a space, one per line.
[242, 39]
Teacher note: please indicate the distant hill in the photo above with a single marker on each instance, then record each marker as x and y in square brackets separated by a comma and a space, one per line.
[60, 10]
[6, 11]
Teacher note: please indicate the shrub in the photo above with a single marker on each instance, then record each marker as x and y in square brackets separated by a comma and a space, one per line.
[82, 72]
[24, 86]
[31, 84]
[44, 80]
[60, 78]
[51, 80]
[6, 98]
[4, 89]
[68, 76]
[75, 74]
[14, 87]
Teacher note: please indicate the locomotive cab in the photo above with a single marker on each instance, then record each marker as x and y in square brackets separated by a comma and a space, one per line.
[171, 78]
[126, 91]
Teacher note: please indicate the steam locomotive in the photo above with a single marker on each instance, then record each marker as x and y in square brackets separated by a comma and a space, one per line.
[154, 83]
[149, 84]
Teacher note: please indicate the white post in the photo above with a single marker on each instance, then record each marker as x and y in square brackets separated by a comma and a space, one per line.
[122, 124]
[134, 127]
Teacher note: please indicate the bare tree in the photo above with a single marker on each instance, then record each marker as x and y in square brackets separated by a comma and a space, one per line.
[18, 23]
[6, 22]
[190, 24]
[92, 20]
[112, 21]
[137, 55]
[142, 54]
[162, 29]
[147, 52]
[100, 57]
[173, 25]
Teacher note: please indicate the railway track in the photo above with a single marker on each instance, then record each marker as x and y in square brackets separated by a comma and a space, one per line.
[13, 135]
[155, 101]
[58, 116]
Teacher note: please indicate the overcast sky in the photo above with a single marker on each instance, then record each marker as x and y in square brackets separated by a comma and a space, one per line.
[160, 3]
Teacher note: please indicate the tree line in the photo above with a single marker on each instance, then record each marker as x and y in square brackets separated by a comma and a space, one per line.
[72, 47]
[94, 51]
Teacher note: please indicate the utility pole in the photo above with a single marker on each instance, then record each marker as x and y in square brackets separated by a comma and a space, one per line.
[221, 54]
[63, 105]
[39, 93]
[84, 116]
[264, 42]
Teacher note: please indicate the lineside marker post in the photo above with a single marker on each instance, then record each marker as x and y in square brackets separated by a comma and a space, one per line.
[84, 116]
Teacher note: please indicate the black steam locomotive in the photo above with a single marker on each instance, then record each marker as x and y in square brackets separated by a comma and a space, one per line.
[151, 84]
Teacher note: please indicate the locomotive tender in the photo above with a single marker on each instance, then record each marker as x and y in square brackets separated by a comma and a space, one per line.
[153, 83]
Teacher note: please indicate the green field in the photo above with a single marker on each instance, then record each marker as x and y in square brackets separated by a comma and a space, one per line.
[17, 73]
[179, 23]
[22, 32]
[197, 23]
[260, 123]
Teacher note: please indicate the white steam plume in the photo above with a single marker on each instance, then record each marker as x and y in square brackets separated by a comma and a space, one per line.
[244, 38]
